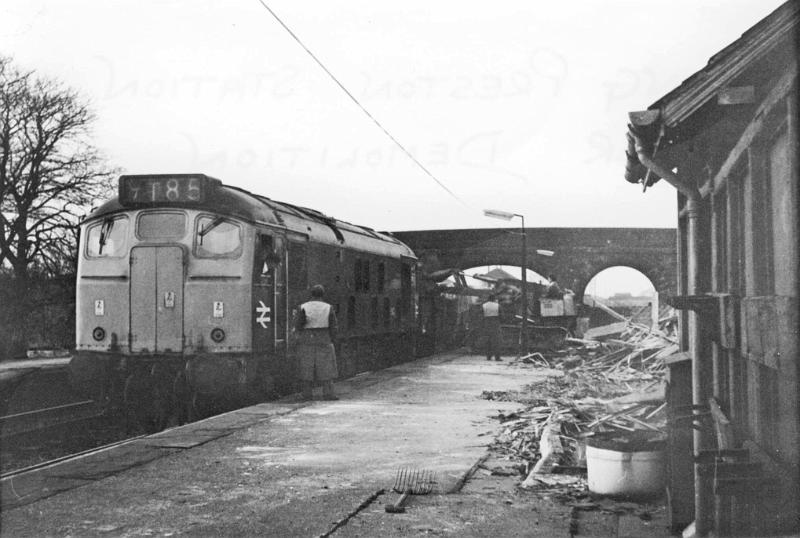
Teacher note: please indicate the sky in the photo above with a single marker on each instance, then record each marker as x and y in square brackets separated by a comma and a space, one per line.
[519, 106]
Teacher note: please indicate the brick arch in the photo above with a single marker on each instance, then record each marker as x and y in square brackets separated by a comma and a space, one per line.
[580, 253]
[655, 274]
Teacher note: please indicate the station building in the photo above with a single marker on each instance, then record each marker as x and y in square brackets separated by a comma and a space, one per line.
[726, 140]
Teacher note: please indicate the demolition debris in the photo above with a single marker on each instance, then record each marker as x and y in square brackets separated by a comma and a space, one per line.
[609, 384]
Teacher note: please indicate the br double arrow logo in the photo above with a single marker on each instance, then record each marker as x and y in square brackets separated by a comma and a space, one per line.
[263, 312]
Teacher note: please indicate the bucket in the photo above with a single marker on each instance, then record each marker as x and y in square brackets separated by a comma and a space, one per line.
[625, 465]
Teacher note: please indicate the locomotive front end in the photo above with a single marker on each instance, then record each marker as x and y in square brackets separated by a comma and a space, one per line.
[162, 299]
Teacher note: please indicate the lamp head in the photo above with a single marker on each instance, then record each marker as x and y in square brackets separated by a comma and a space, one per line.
[497, 214]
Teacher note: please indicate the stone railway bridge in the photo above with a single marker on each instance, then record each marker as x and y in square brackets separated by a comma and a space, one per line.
[580, 253]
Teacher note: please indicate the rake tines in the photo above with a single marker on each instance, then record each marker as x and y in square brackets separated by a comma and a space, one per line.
[410, 482]
[414, 481]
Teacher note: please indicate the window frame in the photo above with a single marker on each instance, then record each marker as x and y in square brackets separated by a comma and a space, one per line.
[141, 214]
[235, 254]
[99, 224]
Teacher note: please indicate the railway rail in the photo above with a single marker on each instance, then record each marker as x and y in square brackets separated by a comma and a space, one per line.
[38, 466]
[36, 437]
[41, 419]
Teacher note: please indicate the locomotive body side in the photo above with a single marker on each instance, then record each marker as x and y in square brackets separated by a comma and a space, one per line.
[193, 298]
[368, 278]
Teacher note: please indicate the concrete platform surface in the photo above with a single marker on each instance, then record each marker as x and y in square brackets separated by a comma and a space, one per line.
[11, 371]
[317, 468]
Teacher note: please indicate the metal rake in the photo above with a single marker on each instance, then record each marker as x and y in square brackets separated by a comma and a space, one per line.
[410, 482]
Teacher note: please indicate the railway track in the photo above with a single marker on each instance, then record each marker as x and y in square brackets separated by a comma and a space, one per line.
[68, 457]
[35, 439]
[44, 435]
[41, 419]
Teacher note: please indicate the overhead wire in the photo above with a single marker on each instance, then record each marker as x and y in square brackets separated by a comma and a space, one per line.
[363, 109]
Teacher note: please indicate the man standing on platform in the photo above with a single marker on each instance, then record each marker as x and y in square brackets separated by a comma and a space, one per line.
[317, 330]
[491, 327]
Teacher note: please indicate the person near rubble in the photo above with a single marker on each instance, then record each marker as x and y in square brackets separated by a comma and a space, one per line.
[491, 327]
[316, 329]
[553, 290]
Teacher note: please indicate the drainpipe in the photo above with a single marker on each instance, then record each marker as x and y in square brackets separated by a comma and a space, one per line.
[702, 507]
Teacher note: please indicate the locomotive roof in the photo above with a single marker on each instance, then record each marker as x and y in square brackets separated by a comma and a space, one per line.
[254, 208]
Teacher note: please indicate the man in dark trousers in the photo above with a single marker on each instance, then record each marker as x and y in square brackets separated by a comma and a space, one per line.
[491, 327]
[317, 330]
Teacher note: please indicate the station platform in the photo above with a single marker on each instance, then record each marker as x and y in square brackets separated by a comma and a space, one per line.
[15, 368]
[38, 363]
[319, 468]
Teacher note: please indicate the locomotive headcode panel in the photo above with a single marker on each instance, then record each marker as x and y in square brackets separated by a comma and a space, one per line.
[187, 287]
[165, 189]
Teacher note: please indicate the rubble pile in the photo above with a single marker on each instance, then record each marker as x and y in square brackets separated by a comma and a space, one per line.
[610, 381]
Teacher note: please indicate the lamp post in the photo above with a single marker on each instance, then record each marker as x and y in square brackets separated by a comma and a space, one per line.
[523, 330]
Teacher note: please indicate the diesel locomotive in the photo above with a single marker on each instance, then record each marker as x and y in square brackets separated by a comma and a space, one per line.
[186, 290]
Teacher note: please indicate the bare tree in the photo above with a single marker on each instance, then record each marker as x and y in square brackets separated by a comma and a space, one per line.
[50, 173]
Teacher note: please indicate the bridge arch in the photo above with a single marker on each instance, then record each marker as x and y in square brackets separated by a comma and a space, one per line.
[579, 253]
[619, 281]
[653, 274]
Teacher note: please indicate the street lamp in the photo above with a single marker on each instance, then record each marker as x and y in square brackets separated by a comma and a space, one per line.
[523, 330]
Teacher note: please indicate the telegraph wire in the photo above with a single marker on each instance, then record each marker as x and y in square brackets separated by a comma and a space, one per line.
[364, 110]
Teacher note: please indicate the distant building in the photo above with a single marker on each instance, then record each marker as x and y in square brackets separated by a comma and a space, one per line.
[628, 299]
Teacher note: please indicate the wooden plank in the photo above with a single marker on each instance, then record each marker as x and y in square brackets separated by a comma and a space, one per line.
[680, 479]
[751, 132]
[783, 217]
[732, 454]
[749, 487]
[737, 95]
[786, 313]
[761, 325]
[727, 320]
[760, 219]
[731, 470]
[788, 397]
[748, 224]
[793, 128]
[722, 426]
[769, 323]
[755, 419]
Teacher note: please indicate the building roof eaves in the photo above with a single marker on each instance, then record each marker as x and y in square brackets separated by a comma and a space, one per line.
[727, 65]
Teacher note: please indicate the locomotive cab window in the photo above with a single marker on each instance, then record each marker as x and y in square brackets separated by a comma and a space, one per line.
[267, 258]
[164, 225]
[108, 238]
[217, 237]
